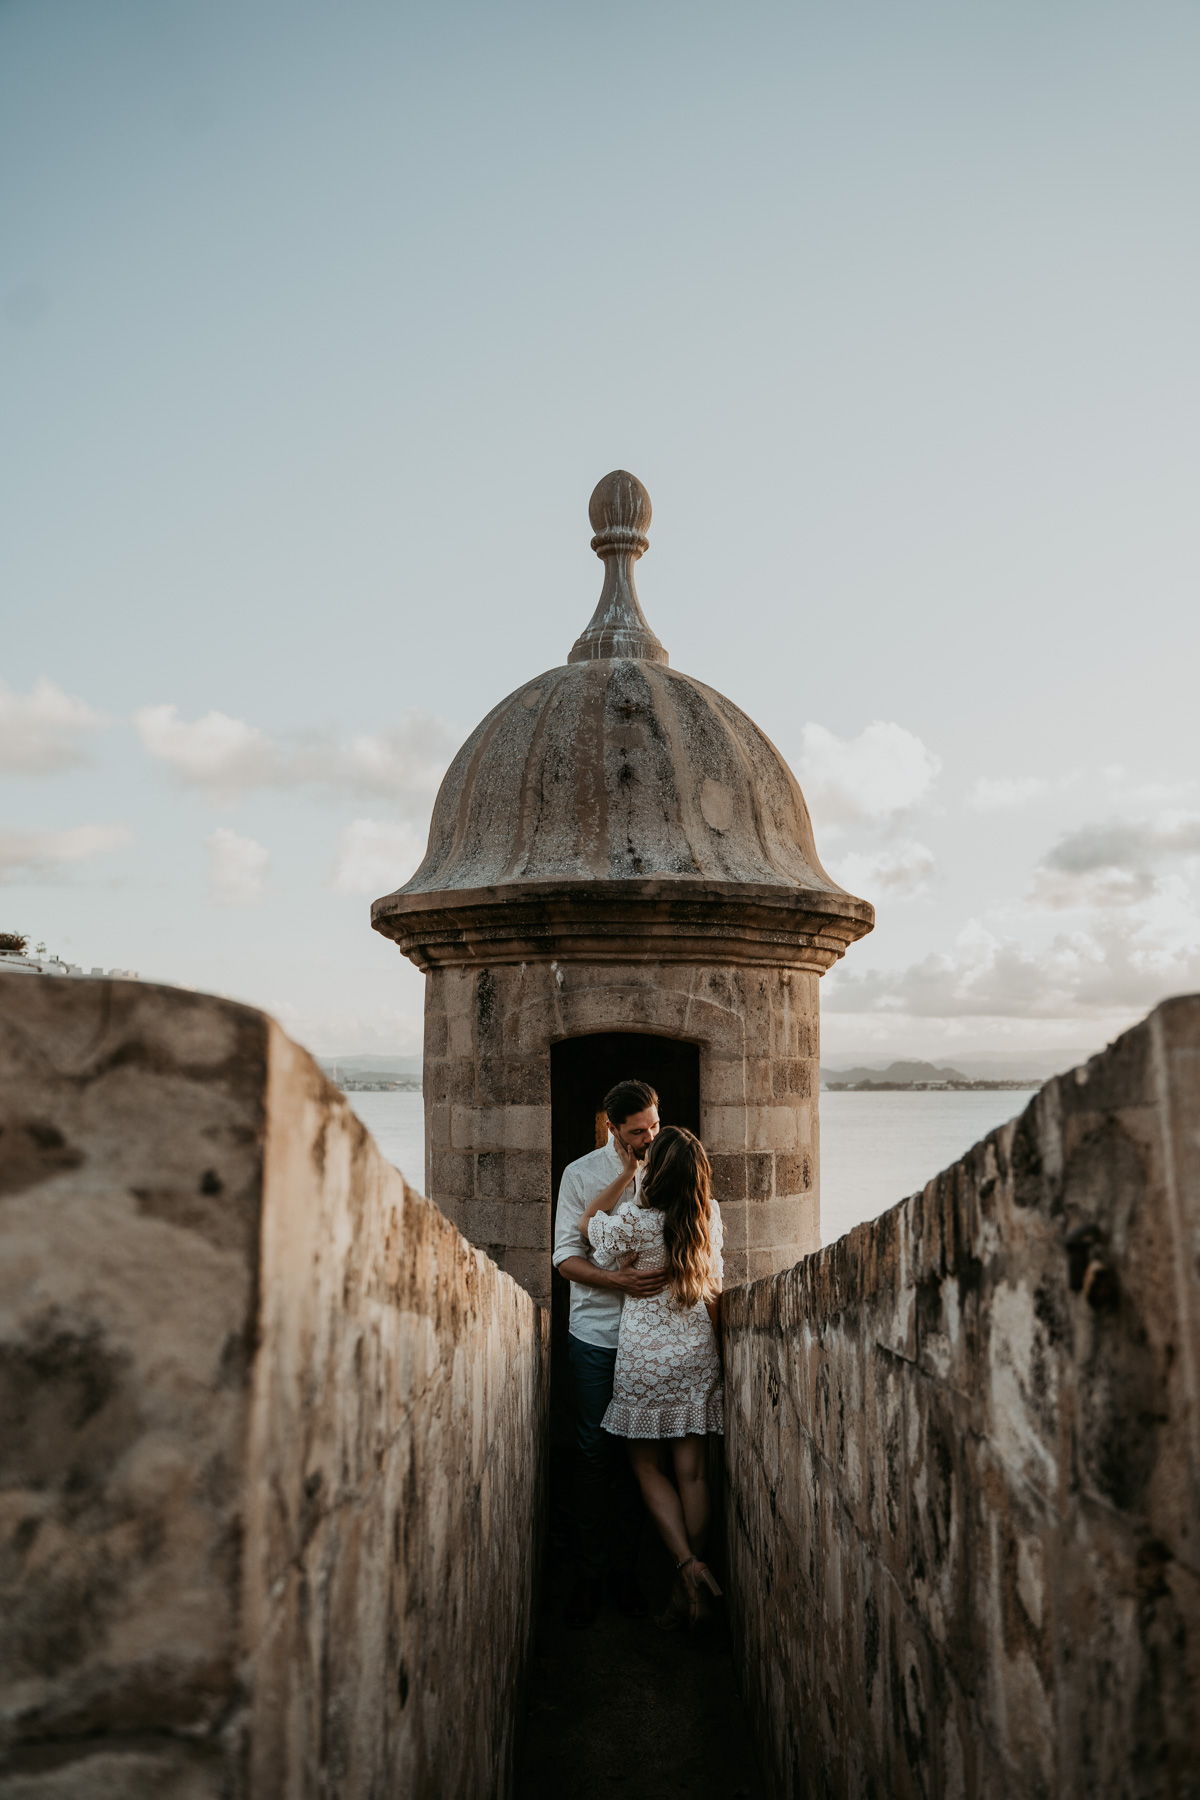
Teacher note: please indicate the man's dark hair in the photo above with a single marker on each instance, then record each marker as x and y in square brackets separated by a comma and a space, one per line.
[627, 1098]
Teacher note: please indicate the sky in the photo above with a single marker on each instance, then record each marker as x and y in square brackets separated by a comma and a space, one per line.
[318, 324]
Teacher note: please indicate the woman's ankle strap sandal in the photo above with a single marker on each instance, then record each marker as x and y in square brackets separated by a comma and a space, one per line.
[700, 1572]
[703, 1573]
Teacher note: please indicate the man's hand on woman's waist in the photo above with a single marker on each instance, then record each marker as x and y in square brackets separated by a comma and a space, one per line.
[638, 1284]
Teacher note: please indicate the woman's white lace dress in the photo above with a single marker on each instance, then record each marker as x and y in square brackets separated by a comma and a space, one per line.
[667, 1381]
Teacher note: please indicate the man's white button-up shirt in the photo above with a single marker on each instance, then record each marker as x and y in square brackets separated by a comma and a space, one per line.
[595, 1312]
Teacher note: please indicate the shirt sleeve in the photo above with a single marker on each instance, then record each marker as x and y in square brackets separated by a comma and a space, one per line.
[716, 1239]
[610, 1234]
[567, 1241]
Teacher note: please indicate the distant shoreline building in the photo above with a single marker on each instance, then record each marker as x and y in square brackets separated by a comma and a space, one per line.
[14, 962]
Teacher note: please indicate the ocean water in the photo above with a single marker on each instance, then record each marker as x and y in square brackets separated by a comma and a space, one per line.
[397, 1123]
[875, 1148]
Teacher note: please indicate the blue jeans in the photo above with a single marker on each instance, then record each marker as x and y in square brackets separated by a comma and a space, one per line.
[608, 1501]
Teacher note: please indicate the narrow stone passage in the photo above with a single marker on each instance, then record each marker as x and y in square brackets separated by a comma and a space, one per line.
[624, 1708]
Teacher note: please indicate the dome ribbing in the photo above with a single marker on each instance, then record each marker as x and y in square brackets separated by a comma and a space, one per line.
[616, 769]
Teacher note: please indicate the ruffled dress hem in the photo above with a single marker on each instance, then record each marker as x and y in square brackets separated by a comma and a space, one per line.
[697, 1418]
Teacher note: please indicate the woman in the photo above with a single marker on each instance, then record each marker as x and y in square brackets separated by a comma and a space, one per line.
[667, 1386]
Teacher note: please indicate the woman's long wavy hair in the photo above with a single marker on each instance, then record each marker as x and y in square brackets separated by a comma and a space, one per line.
[678, 1184]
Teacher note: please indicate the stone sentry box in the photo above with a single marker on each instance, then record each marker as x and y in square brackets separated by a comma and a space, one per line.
[618, 849]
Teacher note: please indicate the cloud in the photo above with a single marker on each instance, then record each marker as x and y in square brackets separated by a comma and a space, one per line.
[1117, 965]
[237, 867]
[224, 755]
[405, 762]
[1116, 864]
[900, 874]
[40, 731]
[1133, 881]
[41, 855]
[882, 772]
[1143, 796]
[375, 858]
[990, 795]
[227, 757]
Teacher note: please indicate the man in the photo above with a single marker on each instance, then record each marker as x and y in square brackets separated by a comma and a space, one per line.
[608, 1531]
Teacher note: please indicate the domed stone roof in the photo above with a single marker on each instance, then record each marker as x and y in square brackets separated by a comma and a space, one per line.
[614, 768]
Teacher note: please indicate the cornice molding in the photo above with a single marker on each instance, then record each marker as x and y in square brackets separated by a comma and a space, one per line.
[673, 920]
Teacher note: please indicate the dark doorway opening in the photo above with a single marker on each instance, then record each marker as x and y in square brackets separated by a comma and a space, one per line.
[690, 1735]
[582, 1070]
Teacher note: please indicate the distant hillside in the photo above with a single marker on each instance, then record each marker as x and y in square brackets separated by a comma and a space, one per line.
[1032, 1066]
[915, 1075]
[897, 1074]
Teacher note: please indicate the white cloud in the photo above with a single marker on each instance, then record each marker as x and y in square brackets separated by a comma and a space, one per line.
[237, 867]
[1143, 796]
[1122, 963]
[900, 874]
[1119, 863]
[228, 757]
[990, 795]
[883, 771]
[1133, 881]
[38, 855]
[405, 762]
[224, 755]
[375, 858]
[40, 731]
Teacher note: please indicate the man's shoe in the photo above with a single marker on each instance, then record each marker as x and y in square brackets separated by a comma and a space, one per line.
[583, 1605]
[628, 1597]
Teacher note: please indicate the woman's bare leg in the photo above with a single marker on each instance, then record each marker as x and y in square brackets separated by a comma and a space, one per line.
[691, 1474]
[662, 1501]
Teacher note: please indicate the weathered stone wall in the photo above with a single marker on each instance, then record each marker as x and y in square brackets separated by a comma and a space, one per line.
[270, 1430]
[964, 1463]
[488, 1034]
[397, 1445]
[131, 1124]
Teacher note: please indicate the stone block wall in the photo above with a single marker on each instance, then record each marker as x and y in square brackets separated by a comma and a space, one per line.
[271, 1472]
[488, 1034]
[963, 1455]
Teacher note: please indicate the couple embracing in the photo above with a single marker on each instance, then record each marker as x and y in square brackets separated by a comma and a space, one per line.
[638, 1236]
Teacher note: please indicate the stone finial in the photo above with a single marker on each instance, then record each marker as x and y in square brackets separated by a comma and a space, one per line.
[619, 510]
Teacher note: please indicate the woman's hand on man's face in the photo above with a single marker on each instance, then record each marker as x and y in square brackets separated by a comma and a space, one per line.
[629, 1158]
